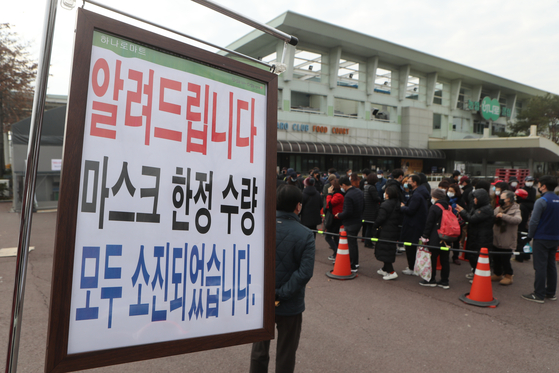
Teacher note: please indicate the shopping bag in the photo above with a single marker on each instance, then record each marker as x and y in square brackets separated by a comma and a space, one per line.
[422, 266]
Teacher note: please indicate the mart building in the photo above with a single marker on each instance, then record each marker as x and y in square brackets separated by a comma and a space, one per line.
[349, 100]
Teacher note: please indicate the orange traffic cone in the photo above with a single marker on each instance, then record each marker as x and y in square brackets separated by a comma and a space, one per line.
[481, 293]
[342, 267]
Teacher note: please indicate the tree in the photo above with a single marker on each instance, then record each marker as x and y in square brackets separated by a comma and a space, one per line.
[542, 111]
[17, 73]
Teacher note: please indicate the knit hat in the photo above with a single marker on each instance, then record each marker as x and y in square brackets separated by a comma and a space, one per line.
[438, 193]
[309, 181]
[464, 178]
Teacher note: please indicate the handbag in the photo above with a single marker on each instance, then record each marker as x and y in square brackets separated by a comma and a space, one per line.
[423, 263]
[328, 219]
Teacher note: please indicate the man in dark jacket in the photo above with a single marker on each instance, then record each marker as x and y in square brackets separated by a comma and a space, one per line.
[415, 215]
[312, 204]
[396, 180]
[480, 225]
[294, 268]
[351, 217]
[543, 230]
[467, 188]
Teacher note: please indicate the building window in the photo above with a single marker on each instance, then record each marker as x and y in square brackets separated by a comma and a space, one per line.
[305, 103]
[460, 124]
[412, 91]
[307, 66]
[518, 107]
[438, 98]
[383, 81]
[463, 98]
[437, 118]
[380, 113]
[479, 126]
[348, 74]
[345, 108]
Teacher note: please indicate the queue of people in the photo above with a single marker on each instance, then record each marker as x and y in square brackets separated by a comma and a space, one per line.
[400, 209]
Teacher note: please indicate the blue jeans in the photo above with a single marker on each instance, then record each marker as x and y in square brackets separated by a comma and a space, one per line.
[545, 282]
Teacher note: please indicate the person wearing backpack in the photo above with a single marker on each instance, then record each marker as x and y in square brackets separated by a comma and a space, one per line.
[434, 225]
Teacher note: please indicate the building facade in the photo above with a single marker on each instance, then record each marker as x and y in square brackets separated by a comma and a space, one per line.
[349, 100]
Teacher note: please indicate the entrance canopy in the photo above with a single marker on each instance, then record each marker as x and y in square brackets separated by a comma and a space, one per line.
[307, 147]
[535, 148]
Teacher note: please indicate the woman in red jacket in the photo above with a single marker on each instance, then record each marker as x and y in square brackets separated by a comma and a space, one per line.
[334, 202]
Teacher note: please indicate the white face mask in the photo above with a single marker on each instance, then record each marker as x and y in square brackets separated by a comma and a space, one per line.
[433, 201]
[450, 194]
[461, 186]
[529, 183]
[379, 177]
[497, 192]
[386, 196]
[514, 184]
[343, 190]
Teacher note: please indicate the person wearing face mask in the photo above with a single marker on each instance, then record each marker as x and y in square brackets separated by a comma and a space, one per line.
[334, 202]
[414, 215]
[545, 235]
[529, 187]
[513, 183]
[354, 204]
[505, 229]
[480, 226]
[387, 223]
[431, 237]
[454, 195]
[500, 187]
[381, 183]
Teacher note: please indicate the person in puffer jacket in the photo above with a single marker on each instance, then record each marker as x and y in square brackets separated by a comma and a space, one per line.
[295, 251]
[480, 226]
[505, 230]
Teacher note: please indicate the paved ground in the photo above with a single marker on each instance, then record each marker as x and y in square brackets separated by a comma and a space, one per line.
[363, 325]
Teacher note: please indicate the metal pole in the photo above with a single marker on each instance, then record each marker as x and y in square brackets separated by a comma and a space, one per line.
[29, 189]
[257, 25]
[178, 33]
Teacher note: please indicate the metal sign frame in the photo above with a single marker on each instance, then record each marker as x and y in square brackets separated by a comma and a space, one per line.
[57, 358]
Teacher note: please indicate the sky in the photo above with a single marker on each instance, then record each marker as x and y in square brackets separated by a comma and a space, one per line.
[515, 39]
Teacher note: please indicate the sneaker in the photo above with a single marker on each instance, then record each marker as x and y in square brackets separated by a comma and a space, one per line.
[533, 298]
[401, 249]
[391, 276]
[443, 284]
[431, 284]
[470, 275]
[381, 272]
[331, 257]
[354, 270]
[456, 261]
[408, 271]
[549, 297]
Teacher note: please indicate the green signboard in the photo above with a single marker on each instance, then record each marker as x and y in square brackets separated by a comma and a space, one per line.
[490, 108]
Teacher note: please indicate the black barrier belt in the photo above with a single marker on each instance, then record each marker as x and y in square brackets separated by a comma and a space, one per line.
[443, 248]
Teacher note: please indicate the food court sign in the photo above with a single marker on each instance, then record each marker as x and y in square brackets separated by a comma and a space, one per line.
[165, 231]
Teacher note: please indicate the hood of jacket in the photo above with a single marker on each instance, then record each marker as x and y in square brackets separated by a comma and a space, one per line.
[482, 197]
[311, 191]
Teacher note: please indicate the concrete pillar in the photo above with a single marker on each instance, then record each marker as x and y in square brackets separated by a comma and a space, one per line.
[531, 166]
[455, 86]
[431, 81]
[404, 73]
[334, 65]
[286, 96]
[289, 60]
[372, 65]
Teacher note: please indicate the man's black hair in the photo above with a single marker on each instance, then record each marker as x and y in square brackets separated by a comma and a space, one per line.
[366, 171]
[287, 197]
[392, 192]
[397, 172]
[550, 182]
[416, 179]
[344, 180]
[331, 170]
